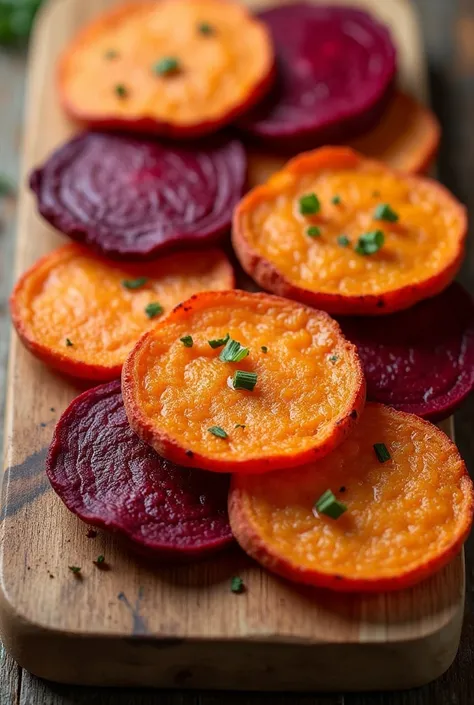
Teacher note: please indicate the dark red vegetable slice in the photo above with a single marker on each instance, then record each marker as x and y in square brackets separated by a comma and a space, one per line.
[110, 478]
[135, 198]
[336, 66]
[420, 360]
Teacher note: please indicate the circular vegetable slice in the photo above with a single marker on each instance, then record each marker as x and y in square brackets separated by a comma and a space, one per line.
[267, 384]
[350, 235]
[136, 198]
[420, 360]
[336, 67]
[389, 507]
[406, 138]
[180, 68]
[82, 314]
[109, 478]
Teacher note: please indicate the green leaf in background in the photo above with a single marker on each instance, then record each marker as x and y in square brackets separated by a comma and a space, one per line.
[16, 20]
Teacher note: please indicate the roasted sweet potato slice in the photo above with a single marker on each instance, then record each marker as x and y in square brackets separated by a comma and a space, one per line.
[336, 70]
[136, 198]
[406, 138]
[82, 314]
[179, 68]
[420, 360]
[402, 506]
[350, 235]
[109, 478]
[266, 384]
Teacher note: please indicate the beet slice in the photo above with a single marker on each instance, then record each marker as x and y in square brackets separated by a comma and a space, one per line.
[420, 360]
[336, 67]
[110, 478]
[135, 198]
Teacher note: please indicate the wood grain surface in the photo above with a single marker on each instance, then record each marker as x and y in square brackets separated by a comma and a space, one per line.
[16, 687]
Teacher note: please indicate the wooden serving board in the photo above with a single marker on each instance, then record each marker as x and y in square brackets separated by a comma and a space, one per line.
[179, 626]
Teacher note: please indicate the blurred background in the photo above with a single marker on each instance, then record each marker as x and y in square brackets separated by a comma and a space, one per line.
[448, 29]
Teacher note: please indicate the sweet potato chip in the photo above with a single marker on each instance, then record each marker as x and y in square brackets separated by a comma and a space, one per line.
[350, 235]
[401, 508]
[179, 68]
[267, 383]
[82, 314]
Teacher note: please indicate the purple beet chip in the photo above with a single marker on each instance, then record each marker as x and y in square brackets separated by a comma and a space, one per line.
[336, 71]
[136, 198]
[110, 478]
[420, 360]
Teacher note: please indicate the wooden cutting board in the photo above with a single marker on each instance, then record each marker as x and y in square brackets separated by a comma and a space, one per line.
[180, 626]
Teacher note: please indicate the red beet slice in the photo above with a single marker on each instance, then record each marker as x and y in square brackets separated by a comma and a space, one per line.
[110, 478]
[420, 360]
[135, 198]
[337, 67]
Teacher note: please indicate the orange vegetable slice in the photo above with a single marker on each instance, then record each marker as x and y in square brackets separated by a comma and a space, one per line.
[181, 400]
[82, 314]
[405, 519]
[178, 68]
[406, 138]
[331, 258]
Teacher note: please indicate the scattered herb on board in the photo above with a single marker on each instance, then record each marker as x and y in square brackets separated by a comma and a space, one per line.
[237, 585]
[233, 351]
[74, 569]
[370, 243]
[239, 425]
[217, 431]
[264, 349]
[219, 342]
[99, 561]
[343, 241]
[313, 231]
[134, 283]
[154, 309]
[309, 204]
[121, 90]
[206, 29]
[69, 344]
[166, 66]
[382, 453]
[385, 212]
[244, 380]
[336, 199]
[187, 341]
[328, 505]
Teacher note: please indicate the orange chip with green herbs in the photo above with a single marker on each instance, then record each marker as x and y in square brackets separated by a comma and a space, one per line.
[82, 314]
[268, 383]
[389, 507]
[179, 68]
[350, 235]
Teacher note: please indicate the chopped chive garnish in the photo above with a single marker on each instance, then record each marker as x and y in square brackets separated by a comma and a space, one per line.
[166, 66]
[239, 425]
[381, 451]
[313, 231]
[244, 380]
[217, 431]
[219, 342]
[334, 358]
[111, 54]
[233, 351]
[370, 243]
[205, 28]
[336, 199]
[69, 343]
[187, 341]
[153, 309]
[343, 241]
[309, 204]
[100, 559]
[74, 569]
[264, 349]
[385, 212]
[237, 585]
[121, 90]
[328, 505]
[134, 283]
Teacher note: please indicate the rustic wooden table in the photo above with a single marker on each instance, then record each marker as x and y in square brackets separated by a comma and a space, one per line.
[448, 26]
